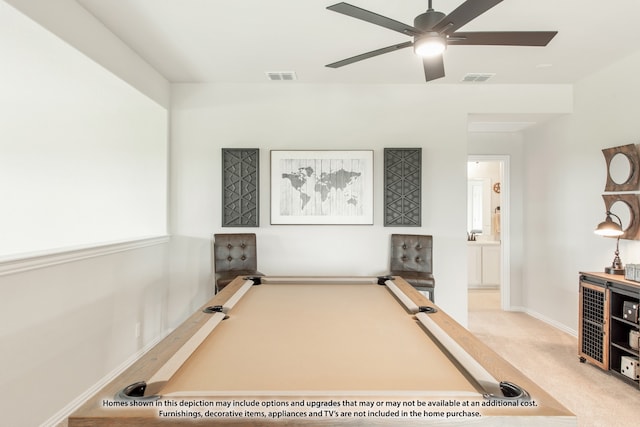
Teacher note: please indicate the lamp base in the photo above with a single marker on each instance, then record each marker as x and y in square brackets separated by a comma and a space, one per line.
[613, 270]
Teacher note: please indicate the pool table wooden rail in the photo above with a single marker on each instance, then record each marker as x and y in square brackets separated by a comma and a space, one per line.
[92, 413]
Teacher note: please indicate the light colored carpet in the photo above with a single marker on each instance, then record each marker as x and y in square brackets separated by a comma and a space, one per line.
[550, 358]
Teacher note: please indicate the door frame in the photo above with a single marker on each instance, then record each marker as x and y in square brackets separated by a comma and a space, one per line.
[505, 212]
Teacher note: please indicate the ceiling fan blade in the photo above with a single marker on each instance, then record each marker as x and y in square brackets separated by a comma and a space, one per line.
[367, 55]
[374, 18]
[505, 38]
[433, 67]
[464, 13]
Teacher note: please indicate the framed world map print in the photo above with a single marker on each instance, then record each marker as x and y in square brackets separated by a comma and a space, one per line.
[322, 187]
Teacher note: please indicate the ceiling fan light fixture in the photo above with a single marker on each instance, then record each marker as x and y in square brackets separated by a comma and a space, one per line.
[429, 45]
[432, 31]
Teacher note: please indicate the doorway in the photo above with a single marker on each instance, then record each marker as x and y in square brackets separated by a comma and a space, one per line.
[488, 228]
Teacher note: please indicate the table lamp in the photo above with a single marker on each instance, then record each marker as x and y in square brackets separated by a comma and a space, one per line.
[608, 228]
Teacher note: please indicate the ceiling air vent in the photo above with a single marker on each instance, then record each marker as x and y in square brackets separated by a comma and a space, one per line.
[281, 75]
[477, 77]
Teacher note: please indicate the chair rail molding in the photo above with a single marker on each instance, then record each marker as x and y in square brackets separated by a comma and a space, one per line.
[32, 261]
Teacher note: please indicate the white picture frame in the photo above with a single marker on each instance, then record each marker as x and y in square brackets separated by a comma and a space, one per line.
[322, 187]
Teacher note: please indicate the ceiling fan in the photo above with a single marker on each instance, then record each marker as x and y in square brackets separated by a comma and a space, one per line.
[433, 31]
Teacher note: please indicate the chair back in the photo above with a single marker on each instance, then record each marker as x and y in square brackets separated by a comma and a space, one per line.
[235, 252]
[411, 252]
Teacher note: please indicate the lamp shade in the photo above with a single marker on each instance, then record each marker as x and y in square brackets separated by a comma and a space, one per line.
[609, 228]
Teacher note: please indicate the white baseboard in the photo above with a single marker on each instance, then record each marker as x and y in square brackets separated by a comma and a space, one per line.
[59, 418]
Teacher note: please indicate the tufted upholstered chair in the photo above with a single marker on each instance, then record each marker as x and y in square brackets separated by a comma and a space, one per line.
[412, 259]
[234, 255]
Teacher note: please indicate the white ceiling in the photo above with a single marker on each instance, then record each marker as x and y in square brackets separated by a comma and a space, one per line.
[239, 41]
[224, 41]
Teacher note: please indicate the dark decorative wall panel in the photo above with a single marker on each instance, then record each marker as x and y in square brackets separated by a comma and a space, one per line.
[240, 174]
[402, 187]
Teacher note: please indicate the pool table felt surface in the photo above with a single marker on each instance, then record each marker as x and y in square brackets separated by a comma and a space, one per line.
[333, 338]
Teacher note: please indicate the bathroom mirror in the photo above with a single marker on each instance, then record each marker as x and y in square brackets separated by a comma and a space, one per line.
[623, 168]
[479, 206]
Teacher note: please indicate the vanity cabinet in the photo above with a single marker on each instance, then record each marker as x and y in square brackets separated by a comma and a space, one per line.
[491, 265]
[474, 265]
[483, 264]
[608, 328]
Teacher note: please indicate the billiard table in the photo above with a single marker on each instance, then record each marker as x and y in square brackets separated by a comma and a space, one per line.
[321, 351]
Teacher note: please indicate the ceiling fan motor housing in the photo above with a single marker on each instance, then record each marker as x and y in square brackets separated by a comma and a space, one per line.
[426, 21]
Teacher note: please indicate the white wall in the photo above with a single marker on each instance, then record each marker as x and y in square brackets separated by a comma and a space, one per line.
[67, 325]
[68, 320]
[64, 327]
[84, 155]
[565, 175]
[207, 118]
[74, 24]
